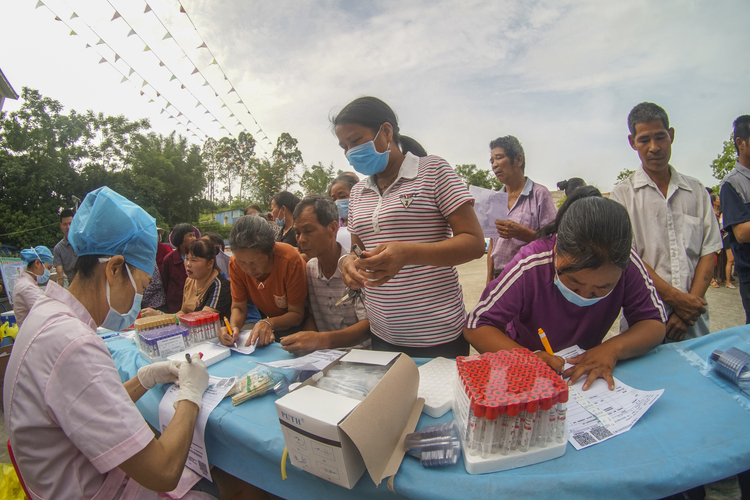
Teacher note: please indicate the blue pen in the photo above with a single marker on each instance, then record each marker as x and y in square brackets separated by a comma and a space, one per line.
[105, 337]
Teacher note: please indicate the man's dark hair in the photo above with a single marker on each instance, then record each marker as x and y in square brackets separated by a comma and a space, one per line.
[179, 232]
[323, 207]
[66, 213]
[286, 199]
[646, 112]
[741, 130]
[512, 148]
[216, 239]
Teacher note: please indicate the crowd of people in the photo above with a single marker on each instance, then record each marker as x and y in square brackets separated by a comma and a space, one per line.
[371, 264]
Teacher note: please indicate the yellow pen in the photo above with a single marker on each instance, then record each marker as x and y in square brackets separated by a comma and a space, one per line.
[547, 347]
[229, 329]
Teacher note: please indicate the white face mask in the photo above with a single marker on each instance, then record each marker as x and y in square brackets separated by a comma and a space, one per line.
[116, 321]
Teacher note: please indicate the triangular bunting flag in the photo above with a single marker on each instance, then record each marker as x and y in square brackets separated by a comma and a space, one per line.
[187, 129]
[88, 46]
[171, 116]
[142, 92]
[238, 123]
[180, 113]
[213, 62]
[168, 35]
[214, 120]
[182, 10]
[146, 48]
[202, 46]
[39, 4]
[168, 105]
[102, 60]
[216, 95]
[131, 71]
[207, 112]
[148, 8]
[172, 78]
[194, 71]
[162, 111]
[182, 85]
[161, 63]
[57, 18]
[150, 100]
[117, 14]
[72, 33]
[205, 82]
[124, 79]
[222, 127]
[73, 15]
[197, 104]
[231, 90]
[100, 42]
[158, 94]
[240, 102]
[144, 83]
[223, 105]
[117, 58]
[131, 32]
[225, 77]
[231, 115]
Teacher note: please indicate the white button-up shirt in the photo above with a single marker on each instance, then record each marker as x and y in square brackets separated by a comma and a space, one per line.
[670, 234]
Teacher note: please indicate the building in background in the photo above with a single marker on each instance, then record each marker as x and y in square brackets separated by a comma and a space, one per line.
[6, 90]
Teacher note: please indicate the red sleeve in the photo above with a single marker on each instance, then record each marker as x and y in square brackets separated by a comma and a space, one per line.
[164, 270]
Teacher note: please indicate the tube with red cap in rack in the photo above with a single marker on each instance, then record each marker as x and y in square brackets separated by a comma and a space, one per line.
[511, 414]
[545, 404]
[528, 425]
[562, 410]
[476, 423]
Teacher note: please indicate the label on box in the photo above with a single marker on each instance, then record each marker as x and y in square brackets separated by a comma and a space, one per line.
[171, 345]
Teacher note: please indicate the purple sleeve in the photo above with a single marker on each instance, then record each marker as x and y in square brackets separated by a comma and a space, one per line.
[502, 300]
[641, 301]
[547, 210]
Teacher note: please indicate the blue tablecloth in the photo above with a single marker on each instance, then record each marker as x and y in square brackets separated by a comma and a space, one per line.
[698, 432]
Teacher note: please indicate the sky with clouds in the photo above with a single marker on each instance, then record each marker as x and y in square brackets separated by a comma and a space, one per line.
[559, 75]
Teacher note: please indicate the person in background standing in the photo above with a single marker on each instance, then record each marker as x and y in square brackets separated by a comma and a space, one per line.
[64, 257]
[674, 226]
[26, 289]
[173, 273]
[339, 192]
[282, 208]
[530, 205]
[162, 249]
[570, 185]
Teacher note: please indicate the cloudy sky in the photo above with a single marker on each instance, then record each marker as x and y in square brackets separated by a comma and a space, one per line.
[559, 75]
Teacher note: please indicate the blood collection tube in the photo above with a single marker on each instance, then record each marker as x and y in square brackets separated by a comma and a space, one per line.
[490, 422]
[518, 426]
[552, 427]
[512, 416]
[562, 410]
[528, 425]
[476, 426]
[501, 423]
[543, 418]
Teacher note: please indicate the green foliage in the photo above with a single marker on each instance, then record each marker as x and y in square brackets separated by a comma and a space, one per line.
[561, 201]
[316, 179]
[624, 174]
[214, 227]
[724, 162]
[473, 176]
[271, 176]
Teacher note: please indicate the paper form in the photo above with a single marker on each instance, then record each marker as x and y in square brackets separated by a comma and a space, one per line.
[598, 414]
[197, 460]
[489, 206]
[241, 347]
[314, 361]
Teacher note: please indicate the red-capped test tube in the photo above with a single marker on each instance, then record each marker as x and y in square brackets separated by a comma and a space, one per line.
[512, 416]
[552, 427]
[562, 410]
[490, 423]
[501, 423]
[545, 404]
[528, 425]
[476, 425]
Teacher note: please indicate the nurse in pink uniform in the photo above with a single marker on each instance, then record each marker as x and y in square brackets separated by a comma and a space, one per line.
[26, 289]
[73, 425]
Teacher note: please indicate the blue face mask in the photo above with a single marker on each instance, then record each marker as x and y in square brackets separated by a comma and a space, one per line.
[343, 206]
[44, 278]
[366, 160]
[280, 222]
[116, 321]
[573, 297]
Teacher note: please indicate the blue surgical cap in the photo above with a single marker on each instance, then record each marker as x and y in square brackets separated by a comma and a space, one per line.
[29, 255]
[109, 224]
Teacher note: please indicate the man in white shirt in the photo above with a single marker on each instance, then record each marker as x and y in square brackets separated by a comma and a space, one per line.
[328, 326]
[675, 230]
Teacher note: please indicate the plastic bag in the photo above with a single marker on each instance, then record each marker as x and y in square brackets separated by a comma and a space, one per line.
[10, 486]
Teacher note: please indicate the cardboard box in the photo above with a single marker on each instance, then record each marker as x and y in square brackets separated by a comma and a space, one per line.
[336, 438]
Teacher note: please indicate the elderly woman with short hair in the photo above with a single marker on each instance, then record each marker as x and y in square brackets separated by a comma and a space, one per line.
[271, 275]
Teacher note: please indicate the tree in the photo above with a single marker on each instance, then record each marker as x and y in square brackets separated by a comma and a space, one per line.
[724, 162]
[472, 176]
[624, 174]
[209, 154]
[287, 156]
[41, 149]
[271, 176]
[316, 179]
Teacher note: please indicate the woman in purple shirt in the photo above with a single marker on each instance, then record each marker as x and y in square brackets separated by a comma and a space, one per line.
[572, 283]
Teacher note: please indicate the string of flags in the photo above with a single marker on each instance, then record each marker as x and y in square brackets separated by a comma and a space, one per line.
[148, 89]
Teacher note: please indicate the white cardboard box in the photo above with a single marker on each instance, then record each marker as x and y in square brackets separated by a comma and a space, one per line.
[336, 438]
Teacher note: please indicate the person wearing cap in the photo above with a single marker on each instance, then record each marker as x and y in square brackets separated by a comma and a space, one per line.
[173, 273]
[571, 283]
[26, 289]
[73, 425]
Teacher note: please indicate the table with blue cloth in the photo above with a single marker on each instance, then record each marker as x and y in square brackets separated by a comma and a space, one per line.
[697, 432]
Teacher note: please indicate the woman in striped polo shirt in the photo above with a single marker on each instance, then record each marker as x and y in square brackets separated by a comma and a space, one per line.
[414, 217]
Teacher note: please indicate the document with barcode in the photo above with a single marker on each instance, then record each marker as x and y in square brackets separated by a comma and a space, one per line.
[598, 414]
[217, 388]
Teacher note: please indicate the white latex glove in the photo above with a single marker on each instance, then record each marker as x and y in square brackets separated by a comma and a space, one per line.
[193, 382]
[163, 372]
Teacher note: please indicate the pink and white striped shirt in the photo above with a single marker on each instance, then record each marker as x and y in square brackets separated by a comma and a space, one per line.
[421, 306]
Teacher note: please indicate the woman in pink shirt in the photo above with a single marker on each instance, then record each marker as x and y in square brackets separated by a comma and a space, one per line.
[73, 425]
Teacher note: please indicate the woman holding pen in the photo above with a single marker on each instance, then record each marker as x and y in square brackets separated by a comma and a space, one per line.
[571, 283]
[413, 216]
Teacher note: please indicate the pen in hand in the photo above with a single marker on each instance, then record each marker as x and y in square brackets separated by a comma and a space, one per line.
[229, 329]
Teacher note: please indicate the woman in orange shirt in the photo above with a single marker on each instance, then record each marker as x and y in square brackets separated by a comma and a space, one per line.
[271, 275]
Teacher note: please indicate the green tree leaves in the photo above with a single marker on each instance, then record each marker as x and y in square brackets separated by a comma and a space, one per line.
[724, 162]
[473, 176]
[316, 179]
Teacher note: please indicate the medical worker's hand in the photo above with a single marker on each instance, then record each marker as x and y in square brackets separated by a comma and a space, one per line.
[163, 372]
[557, 363]
[597, 362]
[382, 262]
[193, 382]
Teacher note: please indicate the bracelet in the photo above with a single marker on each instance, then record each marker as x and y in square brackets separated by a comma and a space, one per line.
[268, 323]
[338, 264]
